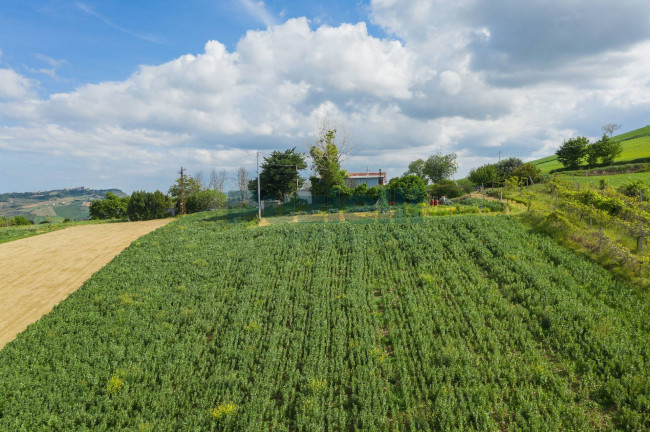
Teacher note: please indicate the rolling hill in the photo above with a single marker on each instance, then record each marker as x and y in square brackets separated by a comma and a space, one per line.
[54, 205]
[636, 145]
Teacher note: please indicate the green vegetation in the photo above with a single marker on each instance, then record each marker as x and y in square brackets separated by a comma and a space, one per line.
[408, 188]
[326, 156]
[464, 323]
[611, 180]
[597, 219]
[52, 206]
[635, 145]
[436, 168]
[198, 197]
[111, 207]
[147, 205]
[279, 176]
[11, 233]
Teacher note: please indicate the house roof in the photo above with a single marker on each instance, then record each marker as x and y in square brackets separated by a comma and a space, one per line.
[366, 174]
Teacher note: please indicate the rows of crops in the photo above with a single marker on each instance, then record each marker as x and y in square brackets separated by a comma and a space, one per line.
[463, 323]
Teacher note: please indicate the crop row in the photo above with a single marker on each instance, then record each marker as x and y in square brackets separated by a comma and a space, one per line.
[461, 323]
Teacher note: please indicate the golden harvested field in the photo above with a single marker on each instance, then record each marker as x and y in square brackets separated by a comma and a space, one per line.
[37, 273]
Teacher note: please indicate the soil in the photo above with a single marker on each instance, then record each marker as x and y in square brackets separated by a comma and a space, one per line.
[39, 272]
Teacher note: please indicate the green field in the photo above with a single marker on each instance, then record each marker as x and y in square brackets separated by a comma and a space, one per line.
[11, 233]
[612, 180]
[451, 323]
[636, 145]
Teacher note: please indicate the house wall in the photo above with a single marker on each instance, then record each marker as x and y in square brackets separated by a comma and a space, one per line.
[369, 181]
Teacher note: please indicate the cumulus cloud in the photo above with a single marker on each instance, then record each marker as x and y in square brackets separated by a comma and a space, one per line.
[14, 86]
[449, 77]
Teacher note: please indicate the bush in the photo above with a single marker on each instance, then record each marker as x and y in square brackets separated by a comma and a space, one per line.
[482, 203]
[409, 188]
[147, 205]
[635, 188]
[19, 220]
[206, 199]
[447, 188]
[525, 171]
[111, 207]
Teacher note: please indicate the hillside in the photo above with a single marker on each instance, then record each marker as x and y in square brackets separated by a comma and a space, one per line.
[451, 323]
[636, 145]
[54, 205]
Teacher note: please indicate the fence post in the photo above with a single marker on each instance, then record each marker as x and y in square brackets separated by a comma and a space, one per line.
[600, 240]
[530, 200]
[639, 241]
[591, 213]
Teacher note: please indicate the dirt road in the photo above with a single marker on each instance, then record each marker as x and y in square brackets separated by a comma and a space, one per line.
[38, 272]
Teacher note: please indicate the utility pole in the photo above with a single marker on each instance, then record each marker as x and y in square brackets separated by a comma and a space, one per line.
[259, 200]
[182, 193]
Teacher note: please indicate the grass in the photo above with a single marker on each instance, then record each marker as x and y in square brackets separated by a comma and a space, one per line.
[12, 233]
[614, 181]
[463, 323]
[636, 145]
[578, 235]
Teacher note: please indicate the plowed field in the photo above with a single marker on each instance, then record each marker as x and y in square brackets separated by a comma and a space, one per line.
[37, 273]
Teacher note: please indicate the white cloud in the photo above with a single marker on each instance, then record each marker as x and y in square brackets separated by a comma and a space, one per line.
[14, 85]
[401, 99]
[257, 9]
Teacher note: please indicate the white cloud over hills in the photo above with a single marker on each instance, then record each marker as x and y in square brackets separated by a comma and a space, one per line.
[447, 77]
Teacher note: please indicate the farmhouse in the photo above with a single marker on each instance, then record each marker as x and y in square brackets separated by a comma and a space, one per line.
[369, 178]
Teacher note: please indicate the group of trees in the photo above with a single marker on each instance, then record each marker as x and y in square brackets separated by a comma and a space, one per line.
[435, 169]
[141, 205]
[507, 169]
[198, 196]
[574, 150]
[14, 221]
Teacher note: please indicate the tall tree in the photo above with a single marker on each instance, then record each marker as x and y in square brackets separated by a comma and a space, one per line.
[198, 177]
[417, 167]
[572, 151]
[111, 207]
[192, 187]
[326, 161]
[439, 167]
[609, 149]
[505, 167]
[218, 179]
[242, 184]
[484, 175]
[610, 128]
[280, 174]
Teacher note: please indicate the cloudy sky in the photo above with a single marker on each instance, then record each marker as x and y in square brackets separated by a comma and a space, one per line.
[121, 94]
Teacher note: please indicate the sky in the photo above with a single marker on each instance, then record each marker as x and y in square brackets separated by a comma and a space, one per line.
[115, 94]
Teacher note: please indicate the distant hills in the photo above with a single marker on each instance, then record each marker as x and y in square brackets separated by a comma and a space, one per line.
[54, 205]
[636, 145]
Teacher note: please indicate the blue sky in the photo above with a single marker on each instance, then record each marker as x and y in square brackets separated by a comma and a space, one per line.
[120, 94]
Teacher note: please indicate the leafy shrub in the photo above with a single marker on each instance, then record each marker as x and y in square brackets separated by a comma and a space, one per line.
[635, 188]
[19, 220]
[447, 188]
[482, 203]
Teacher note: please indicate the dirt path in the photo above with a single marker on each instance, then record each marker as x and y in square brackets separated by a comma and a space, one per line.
[38, 272]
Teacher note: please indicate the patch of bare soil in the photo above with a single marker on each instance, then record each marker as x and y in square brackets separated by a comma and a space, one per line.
[39, 272]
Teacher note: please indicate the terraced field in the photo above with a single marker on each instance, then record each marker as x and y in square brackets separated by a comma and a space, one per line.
[448, 323]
